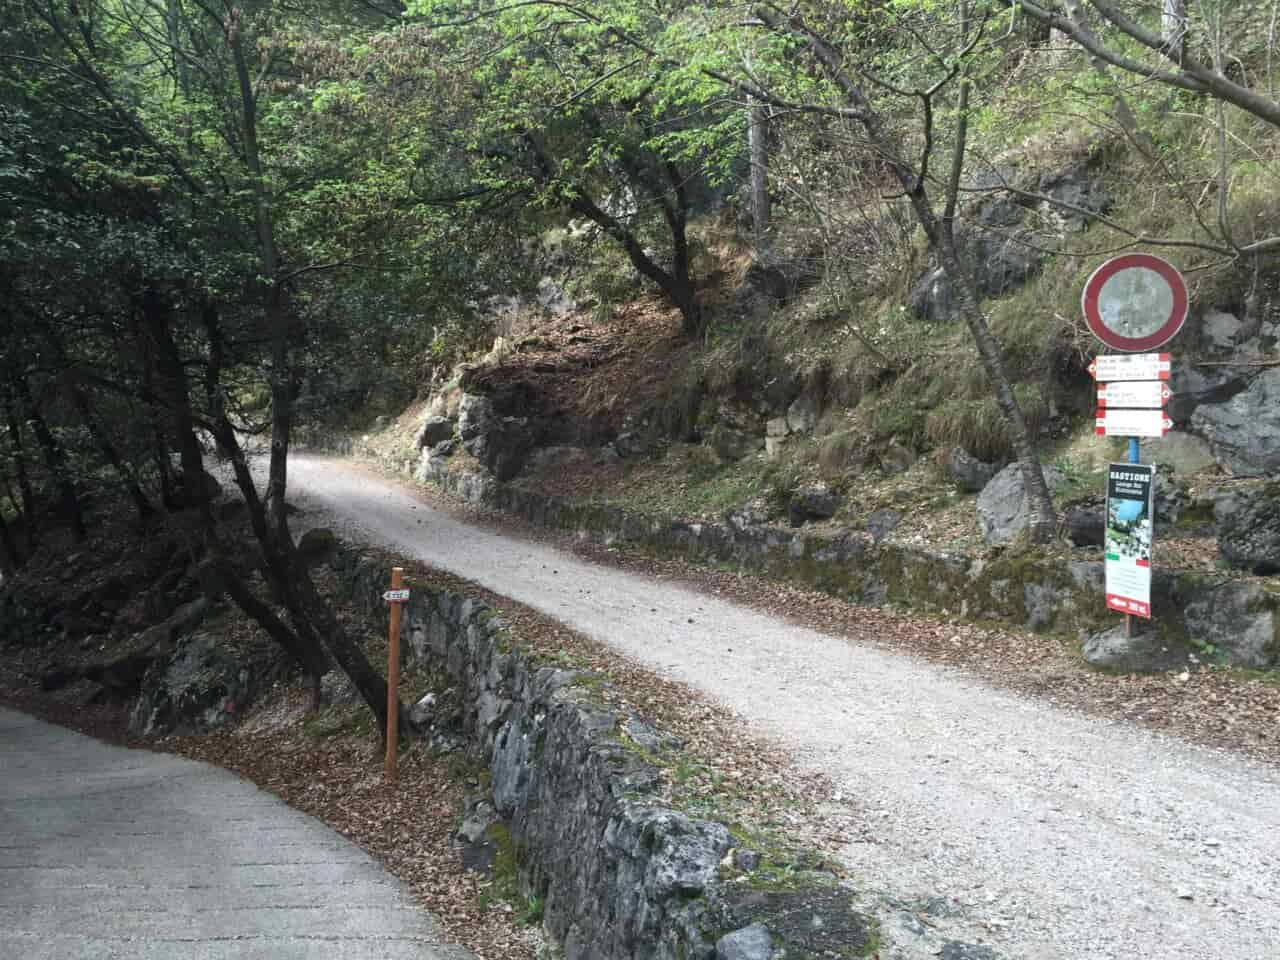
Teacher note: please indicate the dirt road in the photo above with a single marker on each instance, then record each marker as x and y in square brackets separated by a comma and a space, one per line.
[1043, 833]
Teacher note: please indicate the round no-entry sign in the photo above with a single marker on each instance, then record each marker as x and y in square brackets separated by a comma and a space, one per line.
[1135, 302]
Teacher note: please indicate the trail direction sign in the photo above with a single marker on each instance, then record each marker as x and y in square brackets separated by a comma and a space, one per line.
[396, 596]
[1135, 302]
[1134, 366]
[1142, 394]
[1132, 423]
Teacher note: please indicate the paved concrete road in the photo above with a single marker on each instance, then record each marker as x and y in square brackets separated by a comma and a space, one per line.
[1053, 836]
[115, 854]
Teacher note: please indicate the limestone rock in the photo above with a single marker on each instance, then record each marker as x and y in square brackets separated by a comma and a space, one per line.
[1244, 431]
[1002, 506]
[1239, 620]
[1179, 453]
[1145, 652]
[1220, 330]
[502, 444]
[815, 502]
[777, 427]
[422, 711]
[881, 523]
[1248, 528]
[966, 471]
[750, 943]
[1086, 526]
[802, 415]
[434, 430]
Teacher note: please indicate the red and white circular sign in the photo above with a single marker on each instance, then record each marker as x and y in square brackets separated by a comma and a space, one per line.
[1135, 302]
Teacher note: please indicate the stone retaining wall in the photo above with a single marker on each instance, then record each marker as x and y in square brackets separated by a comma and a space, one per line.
[1208, 617]
[621, 875]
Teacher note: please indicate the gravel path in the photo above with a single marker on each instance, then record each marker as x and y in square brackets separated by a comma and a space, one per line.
[1043, 833]
[132, 855]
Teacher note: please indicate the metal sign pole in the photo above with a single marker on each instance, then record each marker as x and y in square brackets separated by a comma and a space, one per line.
[393, 679]
[1133, 458]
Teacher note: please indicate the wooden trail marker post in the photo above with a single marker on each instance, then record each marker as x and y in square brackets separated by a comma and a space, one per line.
[396, 596]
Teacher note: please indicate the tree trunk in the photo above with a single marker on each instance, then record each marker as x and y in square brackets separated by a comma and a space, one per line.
[758, 150]
[308, 655]
[173, 387]
[942, 245]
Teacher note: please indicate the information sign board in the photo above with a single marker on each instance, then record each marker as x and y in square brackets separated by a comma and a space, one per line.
[1129, 537]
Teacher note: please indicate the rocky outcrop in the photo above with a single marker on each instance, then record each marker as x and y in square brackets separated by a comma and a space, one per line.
[622, 876]
[502, 444]
[1003, 511]
[1006, 244]
[1244, 431]
[434, 430]
[1248, 528]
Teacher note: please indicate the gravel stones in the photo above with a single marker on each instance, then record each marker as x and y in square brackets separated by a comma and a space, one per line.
[955, 950]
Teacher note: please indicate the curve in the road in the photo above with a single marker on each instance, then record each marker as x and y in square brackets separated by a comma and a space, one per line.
[1055, 836]
[130, 855]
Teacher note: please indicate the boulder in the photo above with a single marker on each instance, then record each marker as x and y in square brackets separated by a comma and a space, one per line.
[777, 427]
[1237, 621]
[434, 430]
[750, 943]
[931, 298]
[1002, 505]
[966, 471]
[1244, 431]
[1086, 526]
[802, 415]
[422, 711]
[1248, 528]
[814, 502]
[1144, 652]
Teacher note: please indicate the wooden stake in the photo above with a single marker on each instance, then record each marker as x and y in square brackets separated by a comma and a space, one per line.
[393, 680]
[1128, 626]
